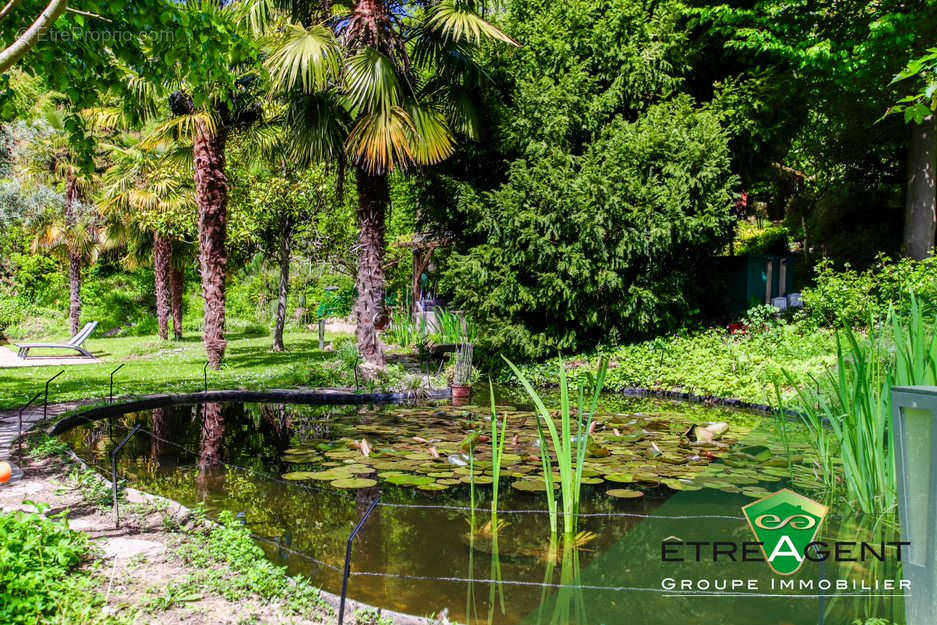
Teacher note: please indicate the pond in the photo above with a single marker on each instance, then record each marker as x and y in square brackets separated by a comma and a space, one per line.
[301, 476]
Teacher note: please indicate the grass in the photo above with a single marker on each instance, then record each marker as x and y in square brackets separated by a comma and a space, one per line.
[155, 366]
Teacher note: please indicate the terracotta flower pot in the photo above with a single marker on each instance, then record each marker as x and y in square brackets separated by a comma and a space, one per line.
[461, 392]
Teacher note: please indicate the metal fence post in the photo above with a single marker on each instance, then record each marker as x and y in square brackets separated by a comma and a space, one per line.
[114, 455]
[351, 538]
[45, 402]
[205, 373]
[111, 392]
[19, 427]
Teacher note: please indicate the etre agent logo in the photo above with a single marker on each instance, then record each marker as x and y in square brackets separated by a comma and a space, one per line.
[785, 524]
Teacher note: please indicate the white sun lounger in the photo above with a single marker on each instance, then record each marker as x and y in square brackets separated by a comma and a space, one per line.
[75, 343]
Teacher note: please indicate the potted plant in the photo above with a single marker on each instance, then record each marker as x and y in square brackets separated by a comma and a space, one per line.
[462, 373]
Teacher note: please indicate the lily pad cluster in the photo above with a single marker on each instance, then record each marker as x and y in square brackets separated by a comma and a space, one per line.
[435, 449]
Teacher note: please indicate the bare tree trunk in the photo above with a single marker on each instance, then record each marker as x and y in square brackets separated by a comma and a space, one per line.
[921, 200]
[211, 192]
[74, 258]
[370, 314]
[177, 281]
[74, 278]
[285, 251]
[162, 263]
[212, 435]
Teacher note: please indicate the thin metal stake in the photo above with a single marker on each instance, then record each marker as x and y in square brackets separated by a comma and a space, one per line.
[364, 519]
[114, 455]
[45, 402]
[205, 373]
[19, 428]
[111, 393]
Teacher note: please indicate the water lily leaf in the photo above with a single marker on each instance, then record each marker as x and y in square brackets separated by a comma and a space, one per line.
[620, 477]
[299, 475]
[409, 480]
[624, 493]
[355, 482]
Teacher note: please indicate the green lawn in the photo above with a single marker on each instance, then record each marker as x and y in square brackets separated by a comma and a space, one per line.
[155, 366]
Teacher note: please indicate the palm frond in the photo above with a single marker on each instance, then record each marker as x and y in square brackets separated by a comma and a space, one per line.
[459, 22]
[318, 125]
[372, 83]
[307, 56]
[183, 127]
[430, 138]
[380, 142]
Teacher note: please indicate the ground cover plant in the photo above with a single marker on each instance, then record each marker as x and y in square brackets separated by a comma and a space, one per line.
[41, 579]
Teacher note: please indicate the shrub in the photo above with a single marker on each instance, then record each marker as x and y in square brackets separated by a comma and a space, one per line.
[575, 246]
[852, 298]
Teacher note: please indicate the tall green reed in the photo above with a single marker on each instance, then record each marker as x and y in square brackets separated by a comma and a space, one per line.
[570, 450]
[848, 411]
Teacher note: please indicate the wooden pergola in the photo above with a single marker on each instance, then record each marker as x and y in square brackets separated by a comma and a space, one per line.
[423, 246]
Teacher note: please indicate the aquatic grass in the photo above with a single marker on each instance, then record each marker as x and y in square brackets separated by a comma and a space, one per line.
[455, 328]
[849, 411]
[497, 453]
[570, 452]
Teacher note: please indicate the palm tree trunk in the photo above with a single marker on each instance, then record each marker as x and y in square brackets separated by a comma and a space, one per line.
[177, 282]
[370, 315]
[921, 200]
[285, 250]
[212, 435]
[74, 258]
[211, 193]
[74, 279]
[162, 261]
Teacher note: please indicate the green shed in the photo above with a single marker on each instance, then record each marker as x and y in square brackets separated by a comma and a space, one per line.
[755, 279]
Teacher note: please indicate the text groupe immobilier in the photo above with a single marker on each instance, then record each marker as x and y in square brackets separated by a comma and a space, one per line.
[808, 585]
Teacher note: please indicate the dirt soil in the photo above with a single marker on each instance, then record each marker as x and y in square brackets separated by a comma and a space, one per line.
[140, 557]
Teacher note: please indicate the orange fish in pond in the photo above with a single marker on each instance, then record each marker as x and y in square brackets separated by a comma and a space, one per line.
[6, 472]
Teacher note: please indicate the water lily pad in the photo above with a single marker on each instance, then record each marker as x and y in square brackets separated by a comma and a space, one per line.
[298, 475]
[624, 478]
[354, 482]
[432, 487]
[624, 493]
[532, 485]
[409, 480]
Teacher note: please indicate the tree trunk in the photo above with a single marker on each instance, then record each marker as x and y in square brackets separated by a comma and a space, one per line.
[74, 258]
[370, 315]
[285, 249]
[211, 193]
[212, 435]
[162, 263]
[921, 201]
[177, 281]
[74, 278]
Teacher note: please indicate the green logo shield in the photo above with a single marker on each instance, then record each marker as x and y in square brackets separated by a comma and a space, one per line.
[785, 523]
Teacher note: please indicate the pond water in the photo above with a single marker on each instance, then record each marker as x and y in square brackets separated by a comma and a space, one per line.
[303, 475]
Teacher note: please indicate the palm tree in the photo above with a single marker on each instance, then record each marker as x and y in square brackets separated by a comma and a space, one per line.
[211, 96]
[149, 204]
[384, 85]
[48, 159]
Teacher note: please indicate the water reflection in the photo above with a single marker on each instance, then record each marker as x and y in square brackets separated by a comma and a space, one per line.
[230, 457]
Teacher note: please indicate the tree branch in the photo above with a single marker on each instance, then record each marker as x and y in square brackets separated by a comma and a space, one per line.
[12, 4]
[16, 50]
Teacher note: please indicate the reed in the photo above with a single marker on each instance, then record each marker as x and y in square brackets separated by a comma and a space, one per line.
[849, 413]
[497, 453]
[570, 450]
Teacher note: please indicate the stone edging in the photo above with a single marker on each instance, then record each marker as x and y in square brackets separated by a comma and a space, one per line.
[700, 399]
[320, 397]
